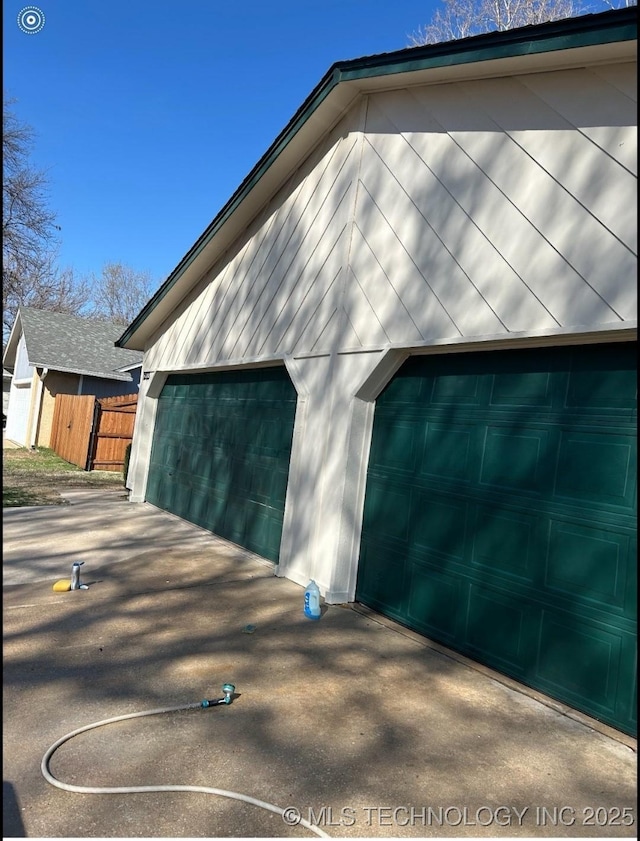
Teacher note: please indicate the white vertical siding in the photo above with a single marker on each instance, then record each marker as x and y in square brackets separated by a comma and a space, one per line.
[18, 414]
[22, 370]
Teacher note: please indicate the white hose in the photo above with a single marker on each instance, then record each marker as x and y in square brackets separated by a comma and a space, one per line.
[233, 795]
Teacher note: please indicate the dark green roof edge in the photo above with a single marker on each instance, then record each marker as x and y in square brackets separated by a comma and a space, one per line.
[570, 33]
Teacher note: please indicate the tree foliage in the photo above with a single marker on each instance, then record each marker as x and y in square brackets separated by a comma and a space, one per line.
[455, 19]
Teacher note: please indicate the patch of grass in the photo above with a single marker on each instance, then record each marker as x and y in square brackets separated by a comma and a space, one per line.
[18, 498]
[33, 477]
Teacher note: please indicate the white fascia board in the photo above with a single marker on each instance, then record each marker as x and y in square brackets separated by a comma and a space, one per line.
[9, 355]
[100, 375]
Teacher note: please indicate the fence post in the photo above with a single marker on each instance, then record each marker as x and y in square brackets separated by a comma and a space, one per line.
[93, 440]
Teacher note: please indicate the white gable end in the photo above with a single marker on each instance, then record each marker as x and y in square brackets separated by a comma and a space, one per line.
[462, 211]
[484, 210]
[278, 290]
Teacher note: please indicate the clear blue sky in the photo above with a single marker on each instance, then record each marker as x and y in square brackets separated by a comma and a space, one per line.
[148, 115]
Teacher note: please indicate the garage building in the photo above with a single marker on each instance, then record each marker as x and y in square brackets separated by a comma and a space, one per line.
[401, 360]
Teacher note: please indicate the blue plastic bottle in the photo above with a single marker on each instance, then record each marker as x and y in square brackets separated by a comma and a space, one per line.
[312, 601]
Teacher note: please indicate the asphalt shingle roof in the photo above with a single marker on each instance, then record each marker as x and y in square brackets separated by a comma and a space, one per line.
[69, 343]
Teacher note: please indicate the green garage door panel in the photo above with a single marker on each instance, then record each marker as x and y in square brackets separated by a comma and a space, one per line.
[221, 451]
[500, 516]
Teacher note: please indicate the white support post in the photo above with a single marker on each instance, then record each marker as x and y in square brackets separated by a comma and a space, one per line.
[143, 435]
[327, 477]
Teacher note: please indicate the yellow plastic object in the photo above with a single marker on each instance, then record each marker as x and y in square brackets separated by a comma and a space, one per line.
[62, 586]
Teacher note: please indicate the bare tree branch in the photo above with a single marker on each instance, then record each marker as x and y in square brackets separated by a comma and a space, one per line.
[455, 19]
[120, 293]
[30, 276]
[29, 232]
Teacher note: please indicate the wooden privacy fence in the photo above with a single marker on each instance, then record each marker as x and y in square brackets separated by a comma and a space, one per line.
[93, 433]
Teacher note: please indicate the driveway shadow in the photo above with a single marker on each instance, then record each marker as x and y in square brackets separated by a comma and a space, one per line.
[12, 826]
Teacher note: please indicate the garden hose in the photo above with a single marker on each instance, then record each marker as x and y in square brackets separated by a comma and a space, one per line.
[233, 795]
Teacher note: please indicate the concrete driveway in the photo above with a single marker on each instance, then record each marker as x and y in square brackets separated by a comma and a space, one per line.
[356, 725]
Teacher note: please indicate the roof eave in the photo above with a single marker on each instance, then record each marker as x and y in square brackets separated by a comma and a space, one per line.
[9, 355]
[100, 375]
[592, 38]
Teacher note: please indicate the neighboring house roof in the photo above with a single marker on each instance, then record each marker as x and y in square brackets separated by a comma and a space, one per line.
[571, 42]
[63, 342]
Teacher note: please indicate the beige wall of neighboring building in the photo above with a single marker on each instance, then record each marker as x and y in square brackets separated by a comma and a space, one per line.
[54, 383]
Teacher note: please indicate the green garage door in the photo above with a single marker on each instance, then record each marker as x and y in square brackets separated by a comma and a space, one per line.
[221, 450]
[500, 516]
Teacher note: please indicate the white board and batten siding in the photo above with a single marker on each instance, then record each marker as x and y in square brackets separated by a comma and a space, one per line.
[20, 397]
[17, 427]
